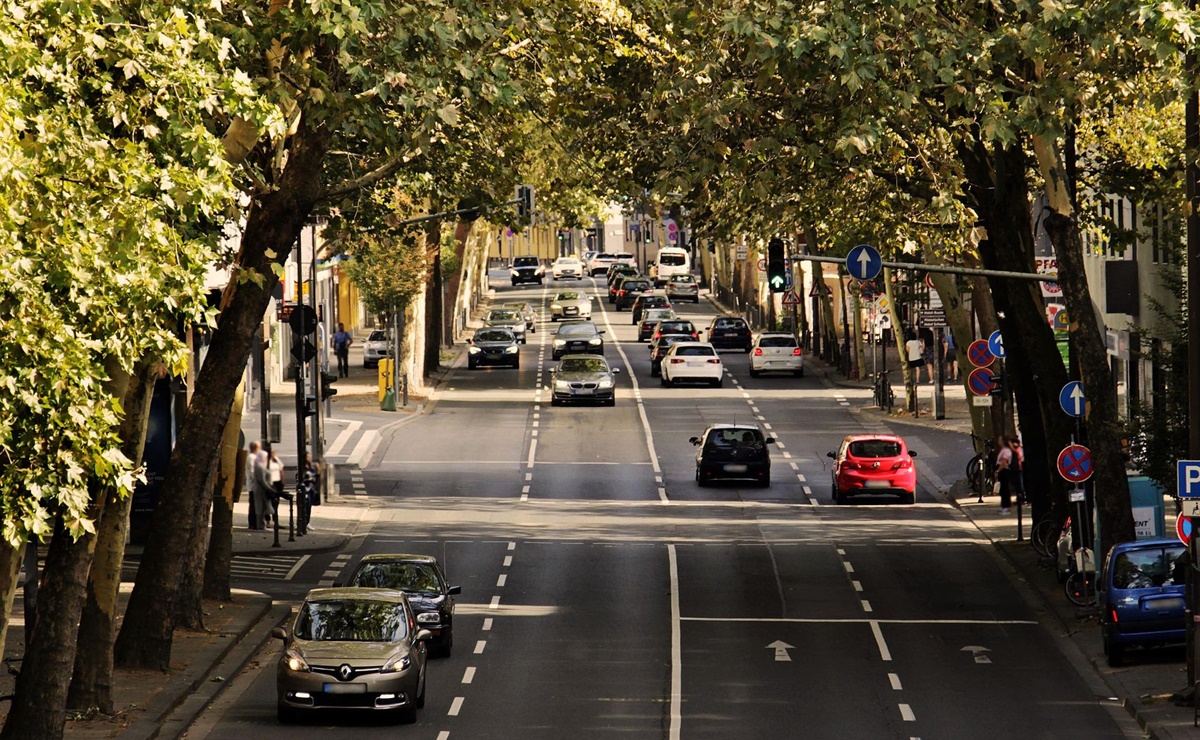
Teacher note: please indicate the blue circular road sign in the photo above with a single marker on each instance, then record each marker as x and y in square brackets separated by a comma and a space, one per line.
[996, 344]
[863, 262]
[1072, 400]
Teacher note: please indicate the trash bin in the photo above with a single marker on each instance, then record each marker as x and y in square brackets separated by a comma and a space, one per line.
[1148, 510]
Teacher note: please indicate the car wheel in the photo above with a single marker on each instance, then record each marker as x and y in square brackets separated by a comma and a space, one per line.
[908, 498]
[555, 402]
[700, 481]
[746, 349]
[514, 283]
[539, 281]
[611, 402]
[554, 318]
[1115, 653]
[287, 715]
[655, 372]
[719, 382]
[799, 373]
[517, 365]
[641, 338]
[754, 373]
[765, 482]
[420, 702]
[472, 366]
[664, 381]
[838, 498]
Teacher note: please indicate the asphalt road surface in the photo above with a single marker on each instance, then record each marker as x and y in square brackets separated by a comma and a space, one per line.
[606, 595]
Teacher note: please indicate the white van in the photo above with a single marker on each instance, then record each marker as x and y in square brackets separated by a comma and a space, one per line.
[671, 261]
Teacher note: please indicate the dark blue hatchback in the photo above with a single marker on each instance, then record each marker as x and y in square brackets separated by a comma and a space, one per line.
[1143, 592]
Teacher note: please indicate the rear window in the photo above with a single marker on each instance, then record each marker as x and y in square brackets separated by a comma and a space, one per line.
[875, 448]
[695, 351]
[683, 327]
[525, 262]
[729, 323]
[735, 438]
[777, 342]
[683, 279]
[672, 260]
[635, 285]
[1150, 568]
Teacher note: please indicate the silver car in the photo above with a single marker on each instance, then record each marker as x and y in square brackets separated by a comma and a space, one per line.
[507, 318]
[375, 348]
[571, 304]
[357, 649]
[583, 379]
[683, 288]
[525, 308]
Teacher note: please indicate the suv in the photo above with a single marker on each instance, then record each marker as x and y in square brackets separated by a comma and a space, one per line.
[375, 348]
[567, 267]
[1143, 593]
[730, 332]
[527, 269]
[630, 289]
[683, 287]
[599, 263]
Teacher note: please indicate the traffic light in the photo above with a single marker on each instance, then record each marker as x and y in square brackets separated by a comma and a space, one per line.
[310, 406]
[648, 232]
[525, 202]
[776, 266]
[327, 389]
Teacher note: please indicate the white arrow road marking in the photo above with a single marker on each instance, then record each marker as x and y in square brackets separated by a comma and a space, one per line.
[781, 650]
[978, 652]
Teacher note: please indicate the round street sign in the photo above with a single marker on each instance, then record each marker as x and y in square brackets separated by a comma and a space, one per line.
[979, 354]
[1075, 463]
[303, 320]
[1072, 400]
[863, 262]
[762, 265]
[996, 344]
[981, 381]
[1183, 528]
[929, 281]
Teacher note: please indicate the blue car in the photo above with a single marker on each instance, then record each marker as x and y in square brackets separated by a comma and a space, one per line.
[1143, 592]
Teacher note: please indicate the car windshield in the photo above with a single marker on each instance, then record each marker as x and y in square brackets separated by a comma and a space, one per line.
[568, 295]
[582, 365]
[503, 316]
[577, 330]
[1150, 568]
[351, 620]
[777, 342]
[413, 578]
[697, 351]
[874, 448]
[495, 335]
[655, 300]
[568, 261]
[672, 260]
[525, 262]
[667, 340]
[377, 336]
[519, 307]
[728, 438]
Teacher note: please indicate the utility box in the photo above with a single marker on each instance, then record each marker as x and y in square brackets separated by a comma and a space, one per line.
[1149, 512]
[385, 377]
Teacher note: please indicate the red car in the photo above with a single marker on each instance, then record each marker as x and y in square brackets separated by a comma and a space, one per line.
[874, 464]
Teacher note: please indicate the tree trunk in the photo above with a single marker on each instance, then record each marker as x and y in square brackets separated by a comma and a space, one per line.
[998, 190]
[10, 566]
[433, 298]
[189, 603]
[274, 223]
[233, 470]
[91, 681]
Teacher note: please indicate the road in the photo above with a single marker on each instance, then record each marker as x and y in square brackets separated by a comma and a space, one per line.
[606, 595]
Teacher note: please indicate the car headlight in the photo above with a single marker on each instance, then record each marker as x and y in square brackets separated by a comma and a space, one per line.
[560, 343]
[514, 273]
[429, 617]
[474, 350]
[511, 350]
[562, 385]
[296, 661]
[606, 383]
[555, 306]
[397, 663]
[596, 341]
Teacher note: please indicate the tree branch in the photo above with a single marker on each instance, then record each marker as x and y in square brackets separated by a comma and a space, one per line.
[385, 170]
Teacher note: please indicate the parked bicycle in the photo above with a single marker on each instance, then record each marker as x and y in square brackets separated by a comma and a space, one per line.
[981, 469]
[1081, 583]
[1046, 534]
[885, 398]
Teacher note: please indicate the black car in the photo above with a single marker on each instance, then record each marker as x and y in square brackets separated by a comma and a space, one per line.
[527, 269]
[423, 581]
[630, 289]
[492, 346]
[733, 452]
[648, 300]
[583, 379]
[619, 272]
[576, 337]
[659, 348]
[730, 332]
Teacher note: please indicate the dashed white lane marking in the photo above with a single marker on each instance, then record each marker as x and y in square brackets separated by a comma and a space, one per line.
[507, 560]
[529, 476]
[754, 409]
[906, 713]
[479, 646]
[807, 489]
[487, 624]
[455, 708]
[849, 568]
[857, 586]
[760, 417]
[524, 497]
[512, 546]
[795, 466]
[884, 653]
[895, 680]
[532, 452]
[745, 395]
[662, 495]
[676, 720]
[840, 551]
[866, 605]
[444, 735]
[801, 477]
[767, 427]
[495, 604]
[501, 580]
[535, 424]
[525, 489]
[469, 674]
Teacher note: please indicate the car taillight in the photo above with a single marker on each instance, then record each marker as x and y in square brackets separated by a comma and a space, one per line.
[676, 361]
[796, 352]
[902, 465]
[1113, 611]
[713, 361]
[757, 352]
[620, 292]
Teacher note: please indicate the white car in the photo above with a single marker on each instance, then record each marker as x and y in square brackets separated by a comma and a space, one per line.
[598, 263]
[571, 304]
[567, 267]
[375, 348]
[697, 361]
[776, 351]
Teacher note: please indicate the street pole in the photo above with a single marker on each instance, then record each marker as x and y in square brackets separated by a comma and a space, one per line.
[1192, 177]
[298, 343]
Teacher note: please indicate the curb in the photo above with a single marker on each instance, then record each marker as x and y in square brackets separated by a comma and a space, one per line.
[338, 543]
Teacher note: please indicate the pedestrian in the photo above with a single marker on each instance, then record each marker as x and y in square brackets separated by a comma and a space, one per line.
[1004, 462]
[1016, 480]
[951, 355]
[927, 353]
[251, 459]
[261, 493]
[275, 465]
[914, 351]
[341, 347]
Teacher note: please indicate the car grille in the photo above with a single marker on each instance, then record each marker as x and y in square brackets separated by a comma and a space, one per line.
[578, 385]
[571, 311]
[332, 670]
[577, 345]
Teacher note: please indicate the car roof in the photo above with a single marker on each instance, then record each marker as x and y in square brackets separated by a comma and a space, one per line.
[735, 425]
[355, 593]
[869, 437]
[786, 334]
[1148, 544]
[699, 344]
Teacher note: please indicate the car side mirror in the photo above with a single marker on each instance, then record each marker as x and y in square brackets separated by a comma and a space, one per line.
[470, 340]
[338, 584]
[454, 590]
[770, 440]
[424, 635]
[912, 453]
[830, 454]
[601, 331]
[279, 633]
[616, 371]
[695, 440]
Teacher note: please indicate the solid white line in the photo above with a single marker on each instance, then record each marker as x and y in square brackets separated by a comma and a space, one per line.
[906, 713]
[343, 439]
[895, 679]
[296, 567]
[507, 560]
[469, 674]
[532, 452]
[487, 624]
[855, 620]
[884, 653]
[455, 706]
[676, 648]
[501, 580]
[369, 439]
[479, 646]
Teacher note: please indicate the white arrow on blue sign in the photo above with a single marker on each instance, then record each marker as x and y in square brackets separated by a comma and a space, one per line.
[1072, 399]
[1188, 482]
[863, 262]
[996, 344]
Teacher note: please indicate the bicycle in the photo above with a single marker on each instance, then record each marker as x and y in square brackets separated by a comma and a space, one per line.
[1081, 584]
[981, 469]
[1046, 534]
[885, 398]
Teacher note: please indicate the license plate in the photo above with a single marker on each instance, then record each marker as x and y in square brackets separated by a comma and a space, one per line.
[735, 468]
[877, 484]
[345, 688]
[1154, 605]
[584, 391]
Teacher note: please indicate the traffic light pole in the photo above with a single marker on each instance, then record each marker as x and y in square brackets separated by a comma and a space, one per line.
[301, 406]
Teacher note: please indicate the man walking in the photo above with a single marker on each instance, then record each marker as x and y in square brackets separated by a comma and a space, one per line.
[252, 483]
[262, 492]
[341, 348]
